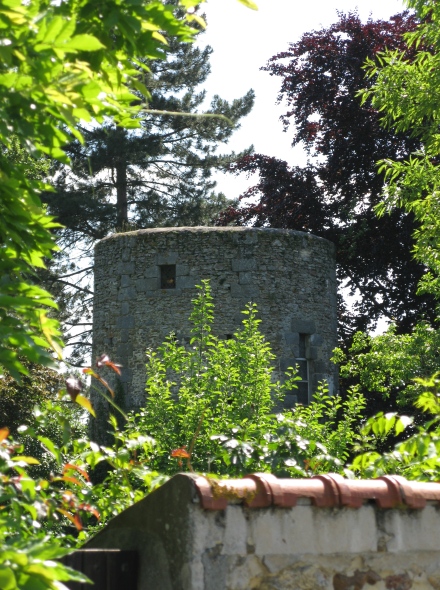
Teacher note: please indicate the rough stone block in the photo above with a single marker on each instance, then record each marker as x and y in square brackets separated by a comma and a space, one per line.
[126, 254]
[186, 282]
[303, 326]
[125, 308]
[248, 292]
[126, 375]
[182, 270]
[168, 292]
[243, 264]
[316, 340]
[125, 335]
[320, 366]
[125, 268]
[245, 278]
[126, 294]
[125, 322]
[291, 338]
[125, 281]
[151, 272]
[143, 285]
[167, 258]
[124, 350]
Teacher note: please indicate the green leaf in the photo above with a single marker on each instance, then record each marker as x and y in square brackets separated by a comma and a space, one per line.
[26, 460]
[7, 578]
[402, 423]
[249, 4]
[85, 403]
[83, 43]
[50, 446]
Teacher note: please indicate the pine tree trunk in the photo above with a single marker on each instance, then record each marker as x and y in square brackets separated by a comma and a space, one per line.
[121, 184]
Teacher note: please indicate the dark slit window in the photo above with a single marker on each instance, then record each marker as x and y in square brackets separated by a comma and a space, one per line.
[303, 371]
[168, 276]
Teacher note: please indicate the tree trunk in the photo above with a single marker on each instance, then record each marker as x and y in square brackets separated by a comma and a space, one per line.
[121, 183]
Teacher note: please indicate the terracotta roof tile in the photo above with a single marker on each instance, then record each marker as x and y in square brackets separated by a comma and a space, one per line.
[261, 490]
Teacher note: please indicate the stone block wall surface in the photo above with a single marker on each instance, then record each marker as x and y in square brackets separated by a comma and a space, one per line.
[184, 547]
[290, 276]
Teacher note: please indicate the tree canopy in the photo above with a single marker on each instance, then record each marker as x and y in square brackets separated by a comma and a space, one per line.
[335, 195]
[406, 93]
[157, 174]
[62, 64]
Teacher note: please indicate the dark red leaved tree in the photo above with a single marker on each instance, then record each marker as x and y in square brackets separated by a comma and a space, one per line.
[334, 196]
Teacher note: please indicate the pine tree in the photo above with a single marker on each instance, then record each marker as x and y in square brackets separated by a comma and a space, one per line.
[158, 175]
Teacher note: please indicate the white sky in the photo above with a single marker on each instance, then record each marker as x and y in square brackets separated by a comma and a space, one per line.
[243, 40]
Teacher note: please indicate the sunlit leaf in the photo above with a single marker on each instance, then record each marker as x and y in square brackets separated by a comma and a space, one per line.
[7, 578]
[69, 466]
[249, 4]
[83, 43]
[27, 460]
[181, 453]
[4, 433]
[85, 403]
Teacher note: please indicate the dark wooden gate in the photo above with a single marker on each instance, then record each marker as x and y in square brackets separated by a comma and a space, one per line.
[109, 569]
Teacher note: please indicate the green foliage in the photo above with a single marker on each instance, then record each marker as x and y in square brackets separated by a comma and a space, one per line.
[386, 365]
[417, 457]
[311, 439]
[60, 498]
[406, 92]
[30, 565]
[61, 63]
[26, 551]
[211, 387]
[212, 404]
[18, 399]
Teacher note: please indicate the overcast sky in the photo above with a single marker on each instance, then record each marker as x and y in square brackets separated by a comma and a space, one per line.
[243, 40]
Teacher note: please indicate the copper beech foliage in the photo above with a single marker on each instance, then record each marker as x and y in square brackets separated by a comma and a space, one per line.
[335, 194]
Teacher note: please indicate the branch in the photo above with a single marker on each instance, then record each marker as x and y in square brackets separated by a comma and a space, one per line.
[83, 289]
[74, 273]
[196, 115]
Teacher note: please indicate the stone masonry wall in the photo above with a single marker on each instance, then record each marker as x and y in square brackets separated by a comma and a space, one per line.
[181, 546]
[290, 275]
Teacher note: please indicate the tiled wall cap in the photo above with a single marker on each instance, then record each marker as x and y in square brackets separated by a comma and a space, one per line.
[261, 490]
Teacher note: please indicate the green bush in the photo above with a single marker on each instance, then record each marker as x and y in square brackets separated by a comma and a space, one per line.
[210, 406]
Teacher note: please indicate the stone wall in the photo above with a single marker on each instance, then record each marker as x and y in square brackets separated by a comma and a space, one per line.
[290, 275]
[307, 546]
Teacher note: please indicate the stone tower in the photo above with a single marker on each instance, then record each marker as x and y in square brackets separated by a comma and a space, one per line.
[145, 281]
